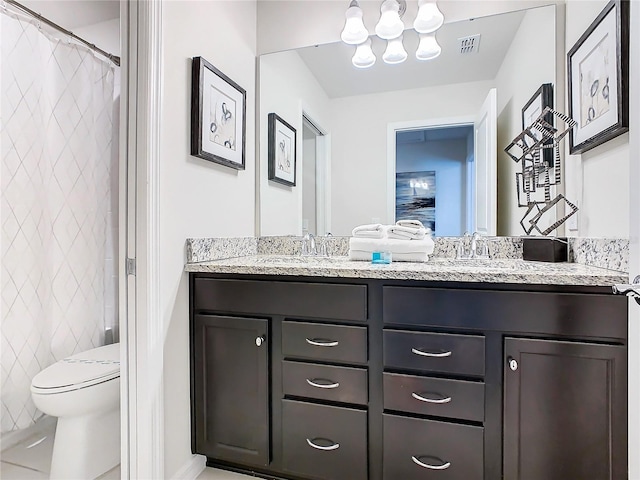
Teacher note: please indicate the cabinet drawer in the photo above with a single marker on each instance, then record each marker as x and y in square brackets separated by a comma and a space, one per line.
[324, 442]
[440, 397]
[334, 343]
[426, 449]
[292, 299]
[435, 352]
[339, 384]
[547, 313]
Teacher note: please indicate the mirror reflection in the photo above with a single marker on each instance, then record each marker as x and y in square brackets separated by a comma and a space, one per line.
[362, 132]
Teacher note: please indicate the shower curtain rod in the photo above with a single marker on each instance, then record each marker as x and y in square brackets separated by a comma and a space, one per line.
[114, 58]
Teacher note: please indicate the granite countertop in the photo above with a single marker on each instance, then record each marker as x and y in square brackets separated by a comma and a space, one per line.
[436, 269]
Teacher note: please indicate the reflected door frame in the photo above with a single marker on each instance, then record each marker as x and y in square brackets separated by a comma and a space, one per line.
[322, 174]
[392, 130]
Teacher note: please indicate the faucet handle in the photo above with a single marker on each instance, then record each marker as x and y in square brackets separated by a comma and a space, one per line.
[305, 244]
[325, 251]
[461, 249]
[482, 246]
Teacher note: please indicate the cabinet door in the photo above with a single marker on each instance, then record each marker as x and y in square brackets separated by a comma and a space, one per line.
[565, 413]
[230, 412]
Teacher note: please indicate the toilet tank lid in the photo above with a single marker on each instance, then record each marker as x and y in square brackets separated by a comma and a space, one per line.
[85, 368]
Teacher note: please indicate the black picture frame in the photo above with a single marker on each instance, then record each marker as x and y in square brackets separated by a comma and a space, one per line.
[610, 119]
[282, 146]
[533, 109]
[218, 116]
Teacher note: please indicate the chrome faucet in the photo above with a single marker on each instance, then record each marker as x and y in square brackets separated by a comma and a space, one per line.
[470, 247]
[325, 251]
[309, 244]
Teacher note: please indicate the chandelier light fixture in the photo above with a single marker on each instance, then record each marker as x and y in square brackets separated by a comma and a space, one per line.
[354, 32]
[364, 56]
[395, 52]
[390, 27]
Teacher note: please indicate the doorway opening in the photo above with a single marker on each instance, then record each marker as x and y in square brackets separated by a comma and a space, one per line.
[480, 178]
[315, 174]
[434, 178]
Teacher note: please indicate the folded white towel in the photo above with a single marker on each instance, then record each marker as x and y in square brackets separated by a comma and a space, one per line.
[406, 233]
[373, 230]
[360, 255]
[410, 223]
[391, 245]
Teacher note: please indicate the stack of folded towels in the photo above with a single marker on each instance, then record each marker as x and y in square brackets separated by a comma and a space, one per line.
[407, 240]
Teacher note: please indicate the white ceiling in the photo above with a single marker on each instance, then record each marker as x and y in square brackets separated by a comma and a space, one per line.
[331, 63]
[71, 14]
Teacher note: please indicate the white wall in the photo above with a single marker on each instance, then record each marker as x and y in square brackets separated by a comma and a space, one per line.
[105, 35]
[597, 179]
[448, 159]
[287, 88]
[197, 198]
[519, 77]
[359, 143]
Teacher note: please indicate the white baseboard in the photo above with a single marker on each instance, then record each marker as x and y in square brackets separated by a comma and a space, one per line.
[190, 470]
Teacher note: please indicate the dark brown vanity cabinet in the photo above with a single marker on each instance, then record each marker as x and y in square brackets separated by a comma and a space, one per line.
[352, 379]
[447, 382]
[230, 401]
[565, 410]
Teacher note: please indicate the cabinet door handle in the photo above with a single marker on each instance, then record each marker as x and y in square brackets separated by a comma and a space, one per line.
[314, 383]
[417, 351]
[321, 342]
[335, 446]
[430, 400]
[444, 465]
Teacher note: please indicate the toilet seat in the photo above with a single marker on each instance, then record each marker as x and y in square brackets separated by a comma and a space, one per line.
[79, 371]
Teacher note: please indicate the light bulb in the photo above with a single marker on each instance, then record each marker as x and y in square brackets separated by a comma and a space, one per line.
[395, 52]
[428, 48]
[364, 56]
[354, 31]
[389, 26]
[429, 17]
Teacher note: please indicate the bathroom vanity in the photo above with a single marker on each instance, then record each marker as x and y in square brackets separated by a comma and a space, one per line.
[324, 371]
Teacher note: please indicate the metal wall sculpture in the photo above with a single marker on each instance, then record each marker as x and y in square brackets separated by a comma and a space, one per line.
[535, 181]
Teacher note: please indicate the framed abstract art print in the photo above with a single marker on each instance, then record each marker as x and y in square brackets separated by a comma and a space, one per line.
[218, 108]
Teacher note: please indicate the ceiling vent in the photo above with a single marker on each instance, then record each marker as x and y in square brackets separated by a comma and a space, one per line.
[470, 44]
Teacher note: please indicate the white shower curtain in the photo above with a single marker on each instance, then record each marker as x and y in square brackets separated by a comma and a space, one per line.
[57, 242]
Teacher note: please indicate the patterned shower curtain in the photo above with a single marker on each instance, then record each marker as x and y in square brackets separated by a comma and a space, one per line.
[56, 210]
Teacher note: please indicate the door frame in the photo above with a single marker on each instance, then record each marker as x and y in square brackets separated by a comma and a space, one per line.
[634, 246]
[141, 329]
[392, 129]
[323, 171]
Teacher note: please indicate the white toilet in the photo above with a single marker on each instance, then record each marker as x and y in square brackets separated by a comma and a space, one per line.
[83, 391]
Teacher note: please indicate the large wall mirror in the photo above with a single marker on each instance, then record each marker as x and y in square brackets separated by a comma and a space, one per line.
[363, 132]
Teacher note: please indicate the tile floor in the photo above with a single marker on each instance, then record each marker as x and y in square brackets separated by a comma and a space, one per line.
[215, 474]
[30, 459]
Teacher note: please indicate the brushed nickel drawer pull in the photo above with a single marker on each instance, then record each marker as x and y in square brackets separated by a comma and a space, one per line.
[335, 446]
[321, 342]
[430, 400]
[444, 466]
[431, 354]
[314, 383]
